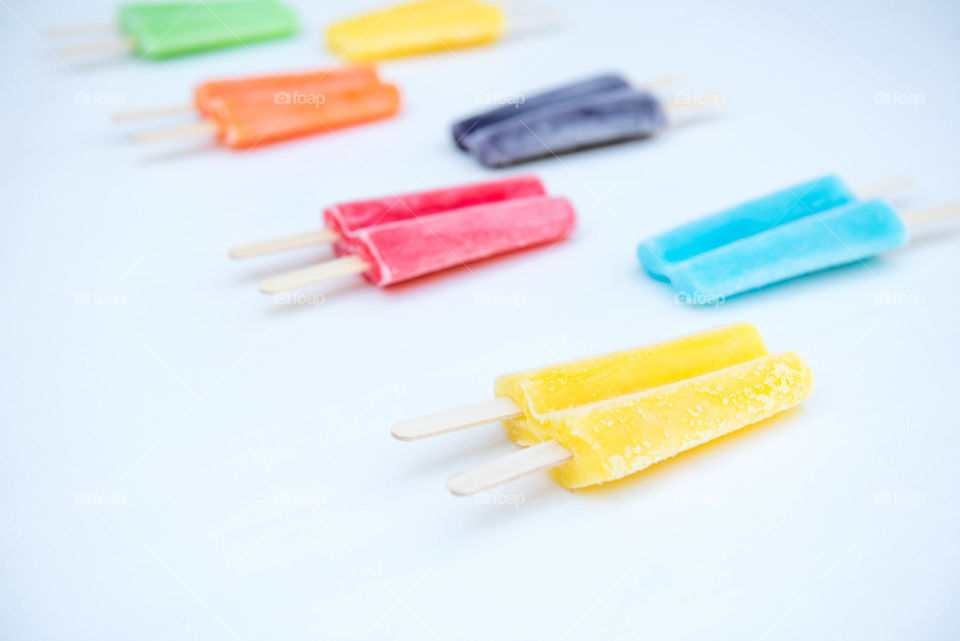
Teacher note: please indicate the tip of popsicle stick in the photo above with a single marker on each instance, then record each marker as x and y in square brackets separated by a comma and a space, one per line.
[888, 188]
[202, 128]
[270, 288]
[460, 418]
[398, 431]
[343, 266]
[456, 488]
[286, 243]
[105, 46]
[664, 81]
[75, 29]
[494, 473]
[156, 112]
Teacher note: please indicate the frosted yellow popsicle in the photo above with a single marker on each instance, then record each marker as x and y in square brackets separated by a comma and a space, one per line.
[541, 391]
[617, 437]
[415, 28]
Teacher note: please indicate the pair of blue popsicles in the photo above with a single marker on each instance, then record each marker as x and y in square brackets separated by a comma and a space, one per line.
[806, 228]
[598, 111]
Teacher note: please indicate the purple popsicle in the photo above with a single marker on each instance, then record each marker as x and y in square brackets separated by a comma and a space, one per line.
[591, 86]
[568, 125]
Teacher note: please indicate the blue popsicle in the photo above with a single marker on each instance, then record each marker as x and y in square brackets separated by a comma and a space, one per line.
[660, 253]
[750, 255]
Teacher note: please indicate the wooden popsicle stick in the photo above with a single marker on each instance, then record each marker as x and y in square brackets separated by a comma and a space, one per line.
[460, 418]
[931, 215]
[202, 128]
[521, 18]
[508, 468]
[152, 113]
[887, 187]
[274, 245]
[114, 44]
[663, 81]
[75, 29]
[345, 266]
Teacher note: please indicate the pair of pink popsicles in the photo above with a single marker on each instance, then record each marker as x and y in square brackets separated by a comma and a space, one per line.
[398, 238]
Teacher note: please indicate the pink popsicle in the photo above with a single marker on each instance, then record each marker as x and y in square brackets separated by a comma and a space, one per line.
[346, 219]
[413, 247]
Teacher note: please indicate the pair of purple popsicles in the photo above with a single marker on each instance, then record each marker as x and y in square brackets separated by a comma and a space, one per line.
[589, 113]
[803, 229]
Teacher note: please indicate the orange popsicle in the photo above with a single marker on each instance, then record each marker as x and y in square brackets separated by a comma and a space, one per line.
[258, 117]
[337, 79]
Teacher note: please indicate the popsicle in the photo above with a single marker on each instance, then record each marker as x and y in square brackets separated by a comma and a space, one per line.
[333, 79]
[523, 399]
[597, 111]
[165, 30]
[611, 439]
[405, 249]
[426, 27]
[348, 219]
[804, 229]
[572, 125]
[265, 114]
[260, 117]
[344, 220]
[590, 86]
[600, 419]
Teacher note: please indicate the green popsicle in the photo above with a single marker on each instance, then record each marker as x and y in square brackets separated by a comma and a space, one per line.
[171, 29]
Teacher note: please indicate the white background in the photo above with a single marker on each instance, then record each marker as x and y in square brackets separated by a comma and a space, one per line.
[183, 457]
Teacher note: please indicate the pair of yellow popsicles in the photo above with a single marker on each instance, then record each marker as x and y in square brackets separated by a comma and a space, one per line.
[600, 419]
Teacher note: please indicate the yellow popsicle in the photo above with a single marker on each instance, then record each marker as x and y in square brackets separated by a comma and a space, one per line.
[541, 391]
[415, 28]
[614, 438]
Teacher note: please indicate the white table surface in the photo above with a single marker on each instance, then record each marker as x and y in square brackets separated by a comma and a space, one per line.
[183, 457]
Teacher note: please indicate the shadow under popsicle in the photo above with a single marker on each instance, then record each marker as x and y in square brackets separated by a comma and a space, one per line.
[851, 272]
